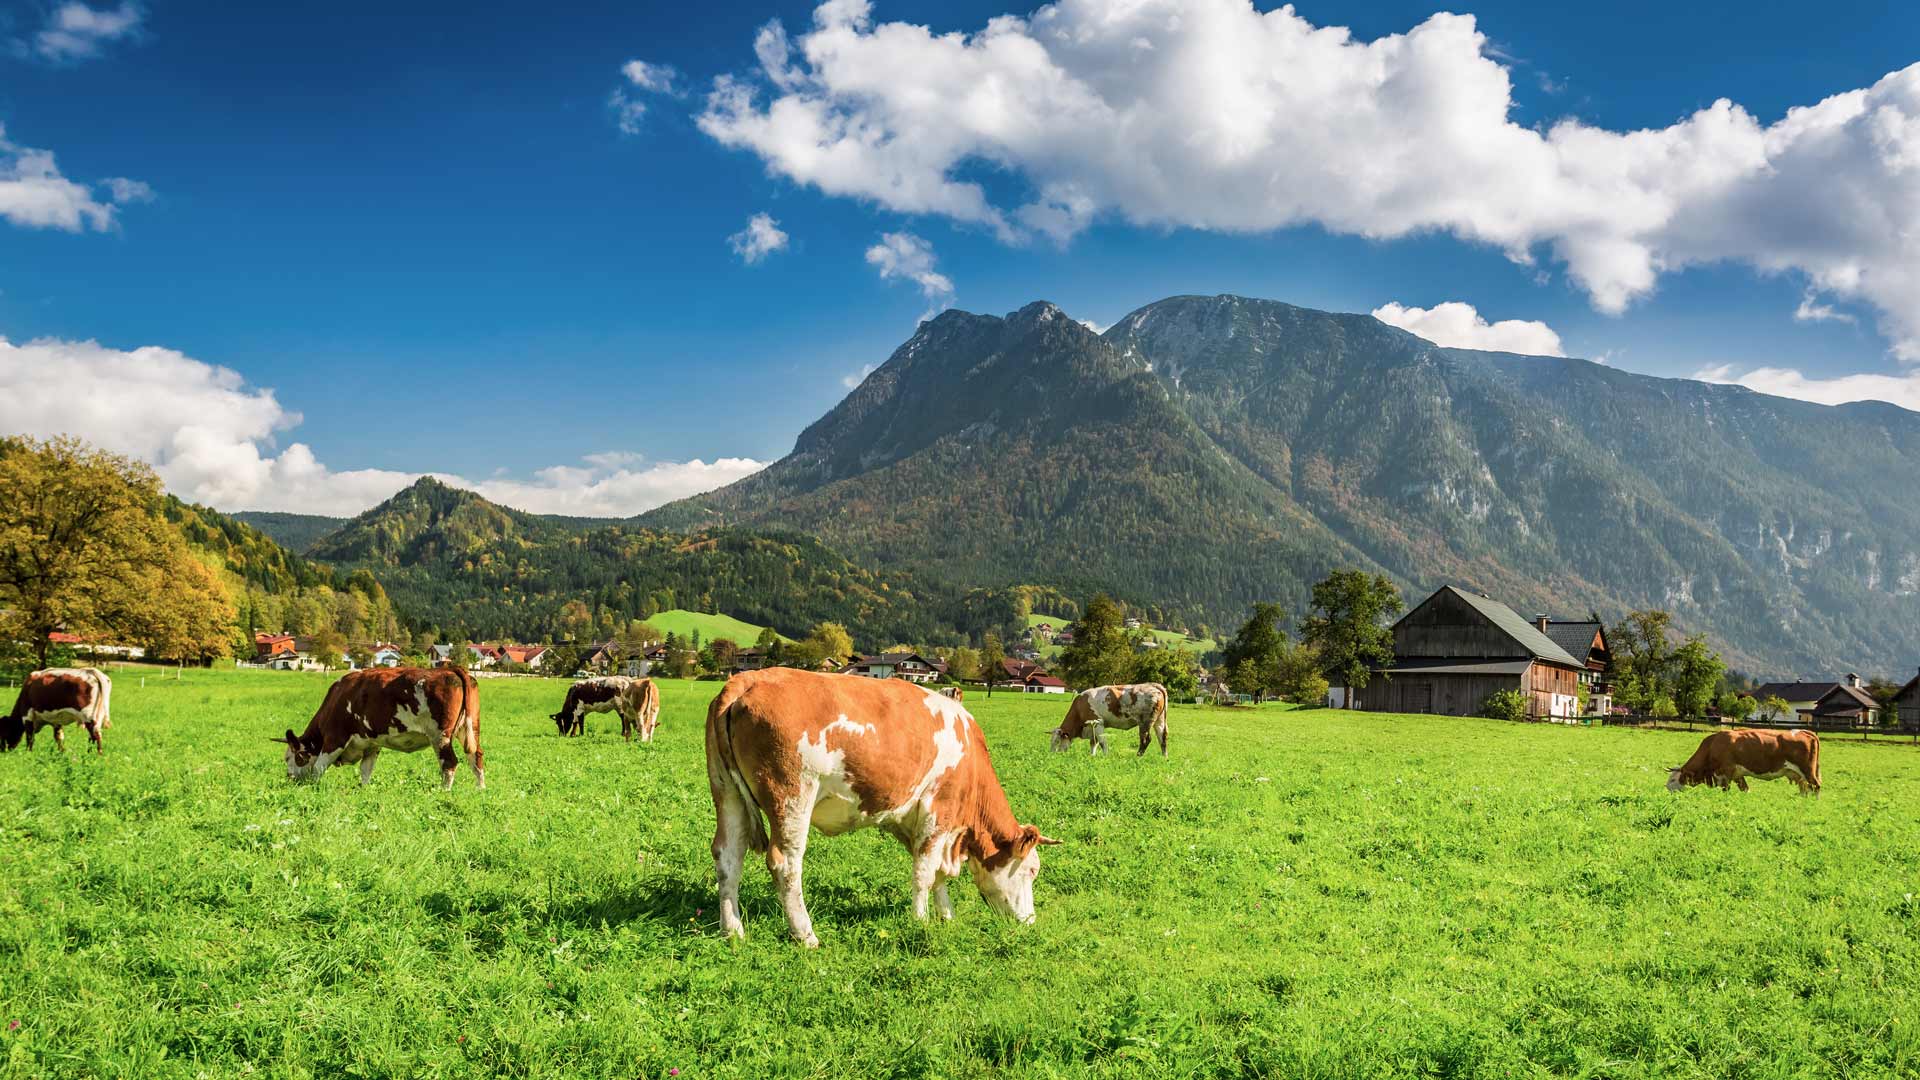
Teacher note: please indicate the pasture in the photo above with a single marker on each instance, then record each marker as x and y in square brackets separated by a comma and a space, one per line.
[1292, 893]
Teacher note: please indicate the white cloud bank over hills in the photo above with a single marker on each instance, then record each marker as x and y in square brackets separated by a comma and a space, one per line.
[1458, 325]
[1902, 390]
[210, 436]
[1210, 114]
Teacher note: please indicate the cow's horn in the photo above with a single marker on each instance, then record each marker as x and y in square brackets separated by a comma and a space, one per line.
[1045, 839]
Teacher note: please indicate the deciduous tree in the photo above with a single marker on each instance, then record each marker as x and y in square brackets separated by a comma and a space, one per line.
[84, 548]
[1347, 625]
[1100, 653]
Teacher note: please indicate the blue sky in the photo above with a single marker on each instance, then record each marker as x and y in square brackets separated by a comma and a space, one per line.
[422, 241]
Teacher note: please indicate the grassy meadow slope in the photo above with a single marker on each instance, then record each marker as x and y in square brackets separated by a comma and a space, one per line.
[710, 626]
[1295, 893]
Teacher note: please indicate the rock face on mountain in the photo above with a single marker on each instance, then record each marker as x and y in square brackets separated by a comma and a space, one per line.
[1205, 452]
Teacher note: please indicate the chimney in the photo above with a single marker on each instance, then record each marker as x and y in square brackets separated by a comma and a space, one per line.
[1541, 621]
[1853, 680]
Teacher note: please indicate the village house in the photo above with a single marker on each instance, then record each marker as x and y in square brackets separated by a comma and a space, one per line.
[528, 655]
[386, 654]
[1585, 639]
[1029, 678]
[1848, 703]
[96, 649]
[1458, 648]
[897, 665]
[1906, 706]
[1802, 698]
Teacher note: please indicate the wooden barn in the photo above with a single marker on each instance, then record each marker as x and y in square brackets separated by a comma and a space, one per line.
[1458, 648]
[1906, 706]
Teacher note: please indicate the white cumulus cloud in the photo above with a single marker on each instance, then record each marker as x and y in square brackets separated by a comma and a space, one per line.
[1212, 114]
[34, 194]
[761, 238]
[1459, 326]
[212, 439]
[1902, 390]
[904, 255]
[75, 31]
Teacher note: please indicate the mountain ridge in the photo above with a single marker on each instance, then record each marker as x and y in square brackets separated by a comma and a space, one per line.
[1315, 438]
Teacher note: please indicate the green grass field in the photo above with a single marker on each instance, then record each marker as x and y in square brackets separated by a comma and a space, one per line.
[684, 623]
[1291, 894]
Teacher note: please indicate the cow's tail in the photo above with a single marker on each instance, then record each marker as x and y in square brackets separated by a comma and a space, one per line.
[1160, 717]
[469, 722]
[1813, 761]
[103, 695]
[728, 784]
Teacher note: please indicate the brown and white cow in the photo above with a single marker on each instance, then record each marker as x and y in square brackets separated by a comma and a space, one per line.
[953, 692]
[1135, 705]
[1729, 757]
[56, 697]
[840, 752]
[403, 709]
[636, 700]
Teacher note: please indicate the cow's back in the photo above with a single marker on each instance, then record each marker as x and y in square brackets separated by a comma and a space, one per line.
[888, 736]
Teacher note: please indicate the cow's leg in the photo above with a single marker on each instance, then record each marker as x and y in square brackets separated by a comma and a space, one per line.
[476, 758]
[1160, 729]
[942, 903]
[786, 859]
[1741, 781]
[31, 728]
[1146, 739]
[730, 831]
[449, 762]
[93, 733]
[926, 878]
[60, 737]
[1096, 738]
[366, 766]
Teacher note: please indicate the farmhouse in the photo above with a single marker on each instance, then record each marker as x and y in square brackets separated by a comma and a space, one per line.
[1906, 705]
[896, 665]
[1584, 640]
[529, 655]
[1802, 698]
[1456, 649]
[1845, 704]
[1029, 678]
[386, 654]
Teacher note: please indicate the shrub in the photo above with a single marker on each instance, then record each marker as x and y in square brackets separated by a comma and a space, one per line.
[1505, 705]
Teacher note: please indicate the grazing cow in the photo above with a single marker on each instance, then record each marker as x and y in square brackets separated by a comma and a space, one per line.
[403, 709]
[952, 692]
[841, 752]
[1137, 705]
[636, 700]
[1728, 757]
[56, 697]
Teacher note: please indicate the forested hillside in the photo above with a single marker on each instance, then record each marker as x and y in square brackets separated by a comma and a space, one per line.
[455, 561]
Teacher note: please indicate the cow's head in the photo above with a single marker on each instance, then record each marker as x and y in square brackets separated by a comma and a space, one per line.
[1677, 778]
[304, 761]
[12, 730]
[1005, 878]
[1061, 740]
[563, 721]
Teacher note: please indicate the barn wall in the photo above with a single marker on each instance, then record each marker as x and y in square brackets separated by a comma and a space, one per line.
[1446, 627]
[1442, 695]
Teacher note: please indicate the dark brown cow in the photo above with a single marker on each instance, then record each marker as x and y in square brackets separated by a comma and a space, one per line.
[1729, 757]
[56, 697]
[636, 700]
[1135, 705]
[841, 752]
[403, 709]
